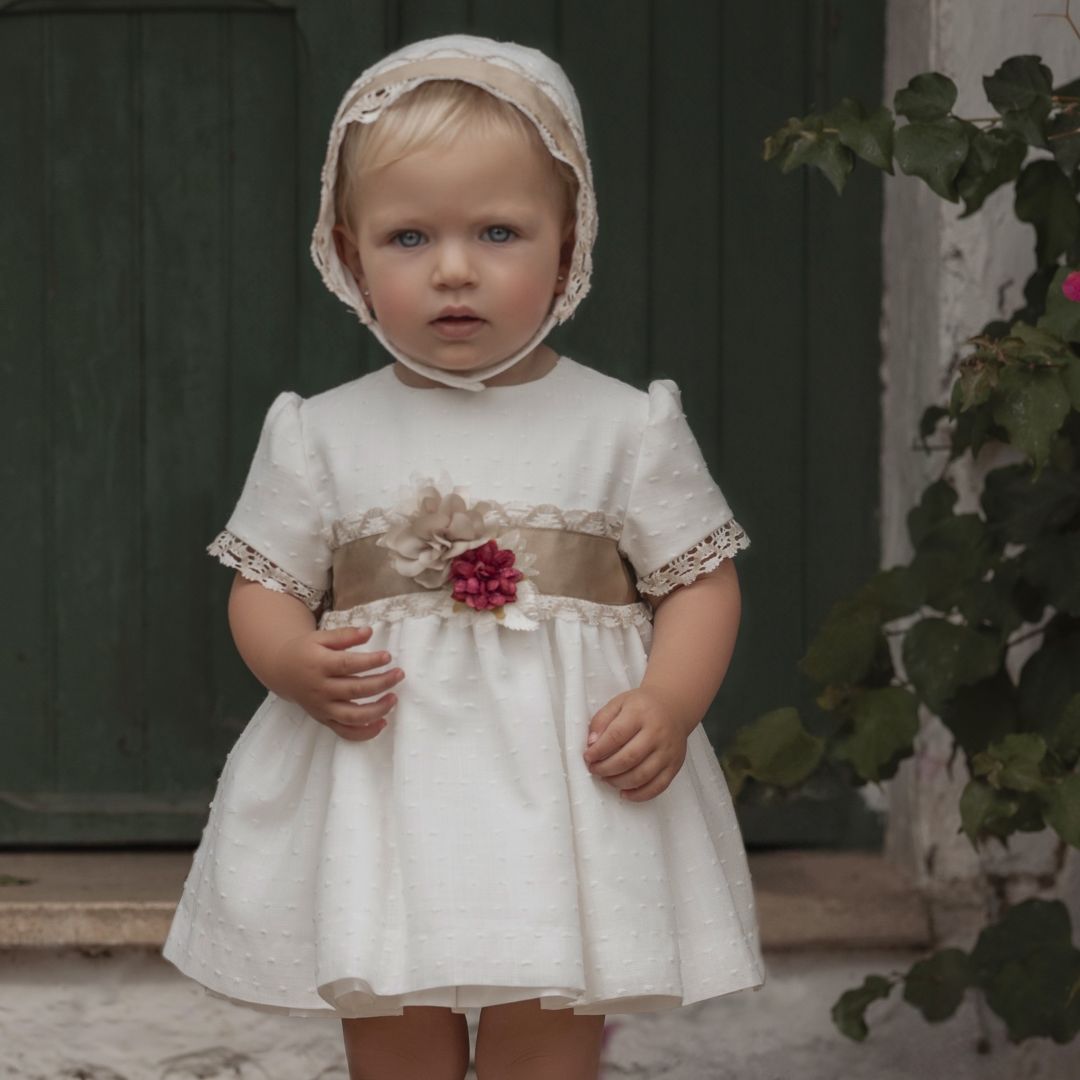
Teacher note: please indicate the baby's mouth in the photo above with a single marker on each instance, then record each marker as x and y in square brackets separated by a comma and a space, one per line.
[457, 325]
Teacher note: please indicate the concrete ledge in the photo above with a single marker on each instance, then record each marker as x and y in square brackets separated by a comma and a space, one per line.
[103, 899]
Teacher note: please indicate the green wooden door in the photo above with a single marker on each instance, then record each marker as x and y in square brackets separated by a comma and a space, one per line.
[158, 192]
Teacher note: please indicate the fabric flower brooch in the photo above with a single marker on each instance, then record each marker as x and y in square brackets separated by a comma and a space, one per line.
[441, 542]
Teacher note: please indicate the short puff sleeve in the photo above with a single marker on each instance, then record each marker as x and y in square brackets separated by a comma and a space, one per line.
[275, 534]
[678, 524]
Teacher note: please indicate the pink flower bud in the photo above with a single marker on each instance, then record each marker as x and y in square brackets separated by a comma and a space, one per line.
[1071, 286]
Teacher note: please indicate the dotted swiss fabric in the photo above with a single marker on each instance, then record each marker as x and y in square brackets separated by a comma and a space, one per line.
[465, 856]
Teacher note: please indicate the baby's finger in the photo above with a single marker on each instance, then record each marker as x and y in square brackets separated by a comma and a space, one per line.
[350, 715]
[598, 729]
[343, 637]
[356, 733]
[351, 661]
[369, 685]
[638, 774]
[627, 757]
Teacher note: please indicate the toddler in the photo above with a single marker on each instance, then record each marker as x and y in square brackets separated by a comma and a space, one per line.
[491, 593]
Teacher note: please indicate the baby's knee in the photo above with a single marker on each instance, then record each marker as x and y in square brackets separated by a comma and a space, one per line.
[424, 1043]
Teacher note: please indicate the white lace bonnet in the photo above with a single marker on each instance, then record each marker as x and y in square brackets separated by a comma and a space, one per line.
[523, 76]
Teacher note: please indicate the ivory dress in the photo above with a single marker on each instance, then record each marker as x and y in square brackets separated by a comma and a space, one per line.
[465, 856]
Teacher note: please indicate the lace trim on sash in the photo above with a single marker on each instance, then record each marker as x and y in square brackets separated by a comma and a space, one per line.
[705, 556]
[543, 516]
[540, 606]
[240, 555]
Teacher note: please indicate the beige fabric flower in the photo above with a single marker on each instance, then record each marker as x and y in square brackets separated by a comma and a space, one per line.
[438, 531]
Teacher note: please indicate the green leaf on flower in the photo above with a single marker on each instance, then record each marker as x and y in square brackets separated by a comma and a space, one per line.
[774, 749]
[1029, 970]
[870, 137]
[1045, 199]
[1061, 805]
[994, 158]
[935, 152]
[1031, 405]
[895, 592]
[928, 422]
[849, 1010]
[1062, 317]
[1013, 762]
[926, 97]
[886, 722]
[940, 656]
[951, 558]
[936, 985]
[846, 646]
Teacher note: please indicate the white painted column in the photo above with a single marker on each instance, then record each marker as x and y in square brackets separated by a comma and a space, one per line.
[944, 279]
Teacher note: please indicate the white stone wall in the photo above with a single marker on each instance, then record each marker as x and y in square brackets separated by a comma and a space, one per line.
[944, 279]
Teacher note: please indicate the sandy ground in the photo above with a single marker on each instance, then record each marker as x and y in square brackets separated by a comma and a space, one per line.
[129, 1015]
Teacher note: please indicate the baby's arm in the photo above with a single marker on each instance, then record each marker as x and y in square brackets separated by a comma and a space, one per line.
[643, 732]
[276, 636]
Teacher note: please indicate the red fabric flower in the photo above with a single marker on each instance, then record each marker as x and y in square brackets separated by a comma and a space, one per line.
[483, 577]
[1071, 286]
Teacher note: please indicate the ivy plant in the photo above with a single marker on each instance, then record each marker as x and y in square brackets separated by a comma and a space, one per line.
[980, 584]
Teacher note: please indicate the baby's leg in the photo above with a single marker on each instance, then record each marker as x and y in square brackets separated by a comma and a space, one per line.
[427, 1042]
[521, 1041]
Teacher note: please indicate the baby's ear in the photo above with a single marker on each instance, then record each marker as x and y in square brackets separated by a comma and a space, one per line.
[348, 253]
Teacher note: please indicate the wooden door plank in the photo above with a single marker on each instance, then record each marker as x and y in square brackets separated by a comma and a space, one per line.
[605, 50]
[26, 664]
[96, 392]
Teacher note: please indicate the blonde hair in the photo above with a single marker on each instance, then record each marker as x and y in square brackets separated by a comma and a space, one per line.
[436, 111]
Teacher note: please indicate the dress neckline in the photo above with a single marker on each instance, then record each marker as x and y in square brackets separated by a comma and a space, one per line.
[560, 362]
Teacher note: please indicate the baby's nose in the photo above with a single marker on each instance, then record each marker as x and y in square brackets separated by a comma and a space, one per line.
[453, 267]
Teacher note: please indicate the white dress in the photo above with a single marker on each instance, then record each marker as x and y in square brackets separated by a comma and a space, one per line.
[465, 856]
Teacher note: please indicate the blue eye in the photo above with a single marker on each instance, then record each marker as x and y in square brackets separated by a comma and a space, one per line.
[408, 238]
[499, 233]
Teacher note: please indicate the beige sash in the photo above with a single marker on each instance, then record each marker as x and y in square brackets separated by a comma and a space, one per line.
[568, 564]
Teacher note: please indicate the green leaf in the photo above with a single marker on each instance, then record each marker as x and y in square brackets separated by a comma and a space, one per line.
[994, 158]
[1062, 316]
[779, 142]
[1020, 507]
[1049, 679]
[870, 137]
[1053, 564]
[774, 749]
[895, 592]
[1061, 804]
[940, 656]
[1031, 405]
[886, 723]
[951, 560]
[975, 384]
[847, 645]
[982, 713]
[849, 1010]
[928, 422]
[1063, 136]
[935, 152]
[936, 986]
[1013, 763]
[1070, 377]
[1045, 199]
[1020, 90]
[935, 505]
[984, 811]
[926, 97]
[1065, 740]
[1028, 969]
[823, 150]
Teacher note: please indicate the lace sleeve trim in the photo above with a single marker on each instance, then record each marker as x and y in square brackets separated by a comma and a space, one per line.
[240, 555]
[705, 556]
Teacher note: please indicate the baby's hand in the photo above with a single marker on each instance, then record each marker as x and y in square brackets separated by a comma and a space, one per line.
[641, 745]
[315, 671]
